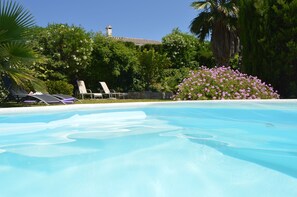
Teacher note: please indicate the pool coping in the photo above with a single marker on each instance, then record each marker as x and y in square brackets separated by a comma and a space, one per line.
[59, 108]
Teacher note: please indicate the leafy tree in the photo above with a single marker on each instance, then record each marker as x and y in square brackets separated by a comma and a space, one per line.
[218, 18]
[112, 62]
[67, 50]
[151, 68]
[181, 49]
[269, 37]
[185, 52]
[157, 47]
[250, 24]
[204, 55]
[15, 53]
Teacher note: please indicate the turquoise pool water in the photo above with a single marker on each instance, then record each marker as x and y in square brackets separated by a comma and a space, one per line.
[180, 149]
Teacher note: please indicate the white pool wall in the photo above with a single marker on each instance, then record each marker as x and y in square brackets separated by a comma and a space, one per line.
[245, 104]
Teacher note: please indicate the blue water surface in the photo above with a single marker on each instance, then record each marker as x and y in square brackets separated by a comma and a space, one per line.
[246, 148]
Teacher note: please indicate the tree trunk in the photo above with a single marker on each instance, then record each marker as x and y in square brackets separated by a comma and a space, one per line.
[225, 44]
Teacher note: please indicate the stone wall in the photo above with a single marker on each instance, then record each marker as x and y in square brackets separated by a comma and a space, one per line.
[149, 95]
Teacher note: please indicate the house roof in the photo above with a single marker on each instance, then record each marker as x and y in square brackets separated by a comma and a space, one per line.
[137, 41]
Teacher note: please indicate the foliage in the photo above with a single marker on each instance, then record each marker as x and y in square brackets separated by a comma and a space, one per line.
[250, 37]
[204, 55]
[3, 91]
[218, 18]
[157, 47]
[151, 67]
[223, 83]
[181, 48]
[122, 65]
[67, 50]
[173, 77]
[269, 37]
[15, 53]
[235, 61]
[59, 87]
[112, 62]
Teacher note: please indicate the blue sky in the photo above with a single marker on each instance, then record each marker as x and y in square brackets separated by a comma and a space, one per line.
[149, 19]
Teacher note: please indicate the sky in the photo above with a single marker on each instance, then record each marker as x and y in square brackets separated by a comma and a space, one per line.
[148, 19]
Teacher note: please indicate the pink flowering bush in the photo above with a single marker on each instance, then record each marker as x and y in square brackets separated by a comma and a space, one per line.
[223, 83]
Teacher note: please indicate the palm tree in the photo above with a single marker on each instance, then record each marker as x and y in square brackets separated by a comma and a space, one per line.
[15, 53]
[219, 19]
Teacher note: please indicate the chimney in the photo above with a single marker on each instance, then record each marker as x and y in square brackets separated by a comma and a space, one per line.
[109, 31]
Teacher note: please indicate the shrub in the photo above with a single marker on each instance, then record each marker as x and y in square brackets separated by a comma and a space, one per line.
[59, 87]
[173, 77]
[67, 50]
[112, 62]
[181, 49]
[151, 67]
[3, 91]
[223, 83]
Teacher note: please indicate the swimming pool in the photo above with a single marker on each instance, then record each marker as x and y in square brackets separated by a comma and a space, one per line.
[226, 148]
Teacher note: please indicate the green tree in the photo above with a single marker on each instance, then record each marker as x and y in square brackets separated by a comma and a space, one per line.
[180, 49]
[218, 18]
[67, 50]
[269, 40]
[15, 53]
[185, 52]
[204, 55]
[250, 36]
[151, 68]
[112, 62]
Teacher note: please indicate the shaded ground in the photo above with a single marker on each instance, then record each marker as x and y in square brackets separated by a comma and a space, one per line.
[85, 101]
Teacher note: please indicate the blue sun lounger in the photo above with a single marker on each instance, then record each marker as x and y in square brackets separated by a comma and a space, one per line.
[20, 95]
[66, 98]
[41, 98]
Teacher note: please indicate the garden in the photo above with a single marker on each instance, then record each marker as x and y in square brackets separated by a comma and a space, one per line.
[247, 51]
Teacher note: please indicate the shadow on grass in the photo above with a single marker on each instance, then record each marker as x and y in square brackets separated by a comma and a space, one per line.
[85, 101]
[11, 104]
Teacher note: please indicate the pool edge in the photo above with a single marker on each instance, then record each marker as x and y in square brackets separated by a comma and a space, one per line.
[57, 108]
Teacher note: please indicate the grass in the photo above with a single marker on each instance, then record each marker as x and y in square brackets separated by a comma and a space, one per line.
[94, 101]
[85, 101]
[11, 104]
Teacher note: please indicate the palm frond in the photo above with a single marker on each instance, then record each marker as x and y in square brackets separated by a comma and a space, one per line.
[13, 9]
[17, 53]
[14, 20]
[201, 5]
[218, 18]
[229, 9]
[22, 76]
[202, 25]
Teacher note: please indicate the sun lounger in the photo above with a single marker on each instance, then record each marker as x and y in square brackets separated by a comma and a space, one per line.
[20, 95]
[84, 91]
[66, 98]
[42, 98]
[111, 94]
